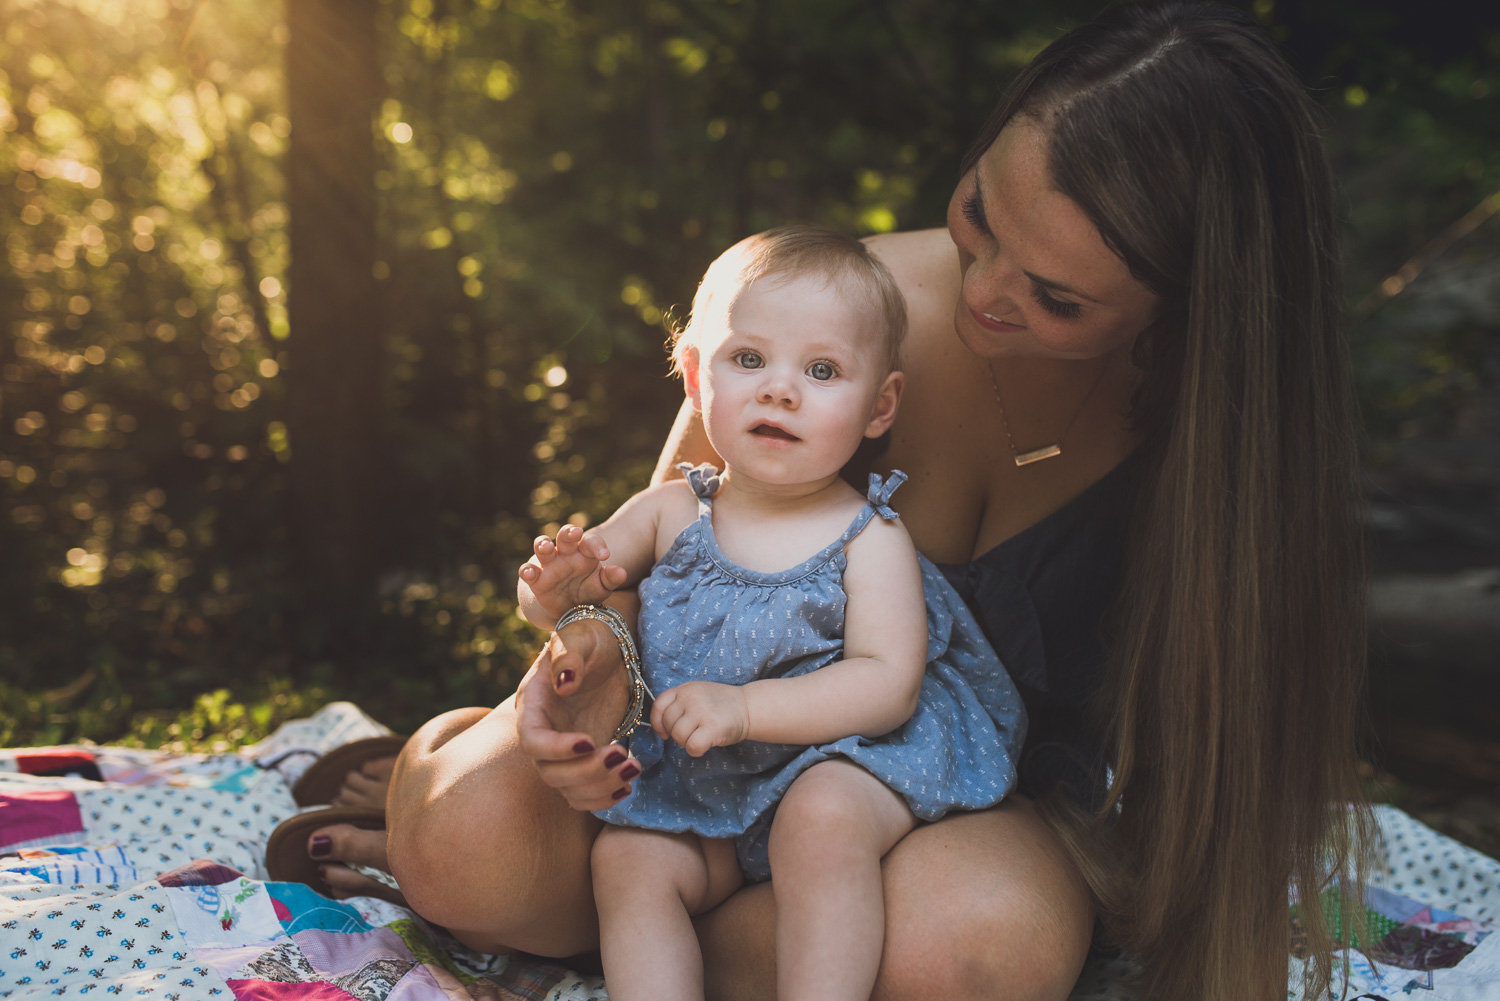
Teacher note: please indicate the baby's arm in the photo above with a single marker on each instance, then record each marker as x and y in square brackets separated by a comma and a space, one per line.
[571, 570]
[871, 691]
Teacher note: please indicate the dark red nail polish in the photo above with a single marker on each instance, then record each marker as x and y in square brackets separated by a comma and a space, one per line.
[321, 847]
[583, 747]
[630, 771]
[618, 794]
[613, 758]
[323, 874]
[565, 677]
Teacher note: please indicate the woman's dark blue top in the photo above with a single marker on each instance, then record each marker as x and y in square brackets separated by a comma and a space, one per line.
[1040, 597]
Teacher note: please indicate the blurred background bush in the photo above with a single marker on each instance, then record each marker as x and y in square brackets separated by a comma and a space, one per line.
[313, 315]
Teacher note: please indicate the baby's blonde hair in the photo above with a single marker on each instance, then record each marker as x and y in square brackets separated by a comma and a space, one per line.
[796, 251]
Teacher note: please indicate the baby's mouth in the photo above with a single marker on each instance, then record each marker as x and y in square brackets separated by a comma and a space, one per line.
[772, 431]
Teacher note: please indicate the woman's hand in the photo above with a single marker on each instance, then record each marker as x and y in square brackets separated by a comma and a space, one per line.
[568, 706]
[701, 714]
[566, 572]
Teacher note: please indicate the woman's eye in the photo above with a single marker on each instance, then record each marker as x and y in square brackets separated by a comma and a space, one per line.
[749, 359]
[973, 213]
[1057, 307]
[821, 371]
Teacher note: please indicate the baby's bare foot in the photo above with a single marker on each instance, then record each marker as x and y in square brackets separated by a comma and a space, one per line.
[366, 786]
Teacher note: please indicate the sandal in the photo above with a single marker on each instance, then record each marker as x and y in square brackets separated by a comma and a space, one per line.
[325, 776]
[287, 860]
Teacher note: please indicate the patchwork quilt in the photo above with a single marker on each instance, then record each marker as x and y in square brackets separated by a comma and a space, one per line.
[142, 873]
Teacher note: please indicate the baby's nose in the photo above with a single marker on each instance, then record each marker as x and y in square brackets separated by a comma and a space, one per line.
[777, 388]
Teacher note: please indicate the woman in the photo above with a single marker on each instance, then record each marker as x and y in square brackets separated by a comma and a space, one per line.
[1123, 353]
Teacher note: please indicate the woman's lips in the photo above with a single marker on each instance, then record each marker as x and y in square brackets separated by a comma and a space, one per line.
[989, 322]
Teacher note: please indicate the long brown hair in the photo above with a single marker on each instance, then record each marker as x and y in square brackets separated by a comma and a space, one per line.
[1237, 641]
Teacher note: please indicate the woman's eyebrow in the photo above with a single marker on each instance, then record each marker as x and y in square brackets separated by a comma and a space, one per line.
[1044, 282]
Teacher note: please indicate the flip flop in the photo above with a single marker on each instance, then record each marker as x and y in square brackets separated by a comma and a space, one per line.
[325, 776]
[286, 850]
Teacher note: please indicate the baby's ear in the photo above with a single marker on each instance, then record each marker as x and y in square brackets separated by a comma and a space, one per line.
[887, 401]
[688, 361]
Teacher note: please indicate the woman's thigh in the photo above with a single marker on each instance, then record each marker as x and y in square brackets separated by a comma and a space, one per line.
[482, 847]
[977, 905]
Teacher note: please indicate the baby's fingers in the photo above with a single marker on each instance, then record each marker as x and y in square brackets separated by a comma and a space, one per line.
[613, 577]
[592, 545]
[664, 713]
[567, 539]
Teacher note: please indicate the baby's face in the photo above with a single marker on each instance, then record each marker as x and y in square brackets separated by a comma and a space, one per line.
[792, 382]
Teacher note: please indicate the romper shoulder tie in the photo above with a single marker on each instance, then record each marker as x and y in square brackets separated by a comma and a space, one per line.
[879, 494]
[703, 479]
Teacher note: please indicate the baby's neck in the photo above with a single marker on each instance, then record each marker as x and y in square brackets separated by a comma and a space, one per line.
[773, 527]
[777, 499]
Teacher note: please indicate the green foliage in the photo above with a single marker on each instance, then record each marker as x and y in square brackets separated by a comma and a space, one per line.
[555, 175]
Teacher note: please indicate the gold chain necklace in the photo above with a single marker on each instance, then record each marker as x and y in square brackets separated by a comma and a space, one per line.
[1046, 451]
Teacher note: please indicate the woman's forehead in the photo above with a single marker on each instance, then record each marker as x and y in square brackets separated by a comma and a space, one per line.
[1045, 229]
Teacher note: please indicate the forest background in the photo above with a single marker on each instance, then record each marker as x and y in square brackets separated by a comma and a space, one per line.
[314, 314]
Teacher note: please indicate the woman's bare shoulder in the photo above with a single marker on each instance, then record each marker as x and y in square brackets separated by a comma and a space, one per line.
[924, 262]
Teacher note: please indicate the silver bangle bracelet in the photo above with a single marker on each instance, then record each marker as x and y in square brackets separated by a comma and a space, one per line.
[616, 623]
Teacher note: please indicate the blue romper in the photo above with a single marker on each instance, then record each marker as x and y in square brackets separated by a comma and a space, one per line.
[704, 618]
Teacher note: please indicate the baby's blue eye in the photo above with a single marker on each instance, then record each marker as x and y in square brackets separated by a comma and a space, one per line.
[749, 359]
[821, 371]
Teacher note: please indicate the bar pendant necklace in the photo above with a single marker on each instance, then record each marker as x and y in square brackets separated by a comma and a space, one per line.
[1046, 451]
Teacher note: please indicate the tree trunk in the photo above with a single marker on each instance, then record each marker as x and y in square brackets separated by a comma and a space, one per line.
[337, 344]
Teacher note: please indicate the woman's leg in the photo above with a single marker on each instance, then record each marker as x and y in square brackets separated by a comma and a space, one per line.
[482, 847]
[831, 830]
[647, 885]
[978, 905]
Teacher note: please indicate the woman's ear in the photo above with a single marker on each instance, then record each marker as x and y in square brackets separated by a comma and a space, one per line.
[689, 365]
[887, 401]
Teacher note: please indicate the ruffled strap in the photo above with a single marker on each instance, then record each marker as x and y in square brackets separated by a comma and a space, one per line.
[879, 494]
[703, 479]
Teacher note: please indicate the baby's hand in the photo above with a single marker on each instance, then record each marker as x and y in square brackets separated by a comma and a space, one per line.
[701, 714]
[569, 572]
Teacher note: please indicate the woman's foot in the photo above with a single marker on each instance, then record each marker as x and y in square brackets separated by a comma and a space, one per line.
[337, 846]
[366, 786]
[338, 851]
[352, 774]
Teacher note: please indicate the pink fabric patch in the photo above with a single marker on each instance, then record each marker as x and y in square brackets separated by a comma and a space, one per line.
[34, 815]
[341, 953]
[283, 912]
[272, 990]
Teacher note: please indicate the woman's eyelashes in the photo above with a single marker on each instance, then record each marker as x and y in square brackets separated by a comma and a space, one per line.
[1057, 307]
[974, 213]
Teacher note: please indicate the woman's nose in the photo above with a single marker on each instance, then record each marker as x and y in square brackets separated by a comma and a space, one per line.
[990, 282]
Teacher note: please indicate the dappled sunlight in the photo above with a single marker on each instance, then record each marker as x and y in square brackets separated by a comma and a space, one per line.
[548, 180]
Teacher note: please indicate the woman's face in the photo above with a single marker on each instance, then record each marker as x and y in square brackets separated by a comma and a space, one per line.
[1038, 280]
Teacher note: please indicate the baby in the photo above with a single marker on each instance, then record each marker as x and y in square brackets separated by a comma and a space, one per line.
[819, 687]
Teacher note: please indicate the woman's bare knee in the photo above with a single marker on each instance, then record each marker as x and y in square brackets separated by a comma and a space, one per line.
[981, 899]
[481, 846]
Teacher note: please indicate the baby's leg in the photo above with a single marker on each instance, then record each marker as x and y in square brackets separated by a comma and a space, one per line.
[830, 832]
[647, 886]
